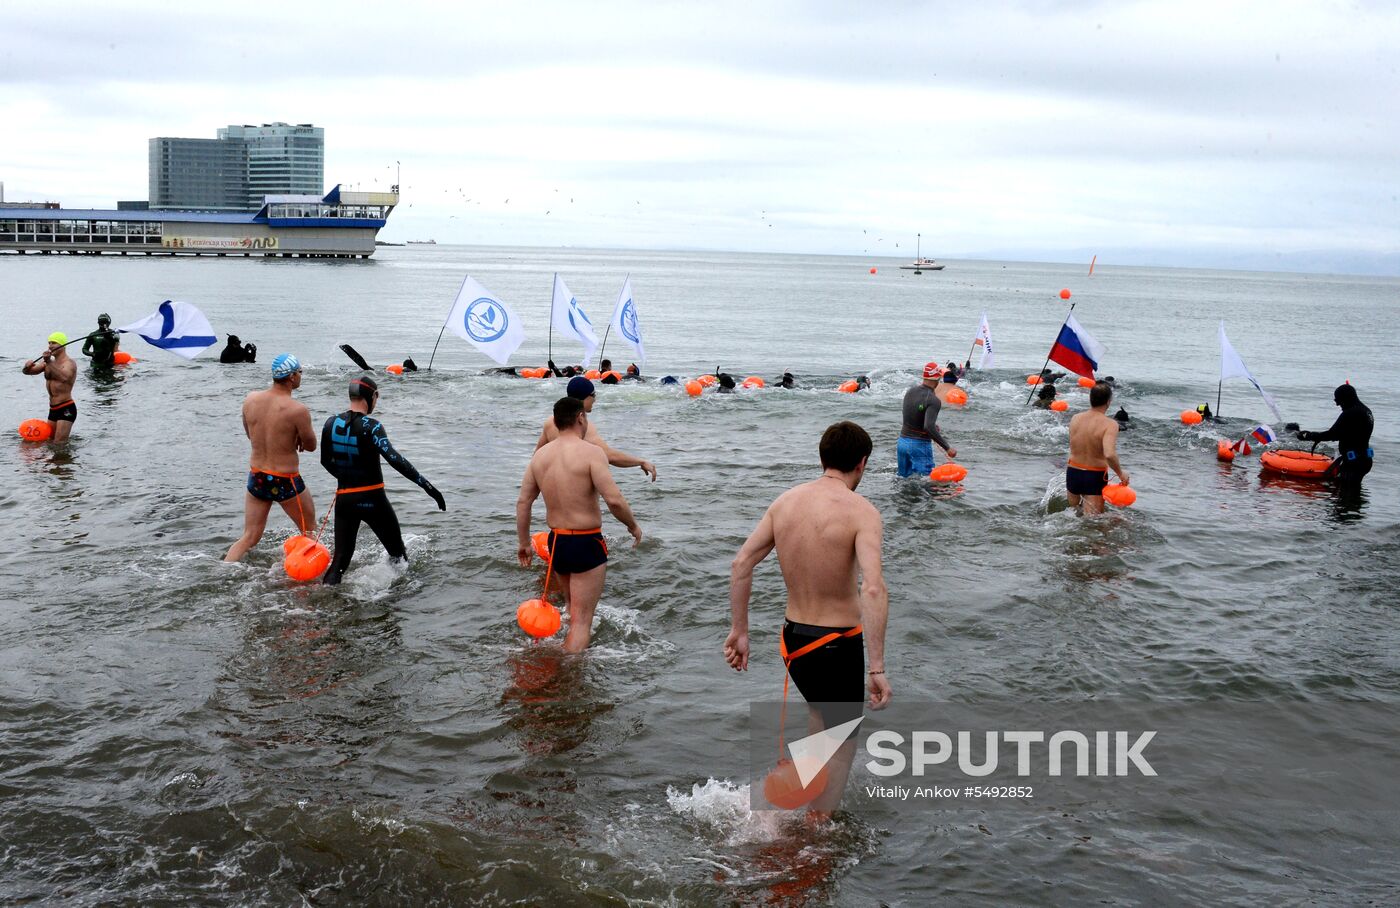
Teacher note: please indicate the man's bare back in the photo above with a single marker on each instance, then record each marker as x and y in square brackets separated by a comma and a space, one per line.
[278, 427]
[567, 471]
[1093, 438]
[816, 528]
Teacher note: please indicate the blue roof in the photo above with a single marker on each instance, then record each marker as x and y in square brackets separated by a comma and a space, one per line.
[111, 214]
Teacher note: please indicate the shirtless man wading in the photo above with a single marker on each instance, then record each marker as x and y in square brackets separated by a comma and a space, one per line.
[824, 533]
[581, 389]
[572, 473]
[1093, 448]
[59, 371]
[278, 427]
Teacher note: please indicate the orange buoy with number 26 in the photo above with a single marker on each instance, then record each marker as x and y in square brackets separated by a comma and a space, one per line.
[35, 430]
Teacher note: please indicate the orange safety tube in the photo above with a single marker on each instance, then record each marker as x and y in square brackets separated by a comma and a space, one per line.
[1296, 463]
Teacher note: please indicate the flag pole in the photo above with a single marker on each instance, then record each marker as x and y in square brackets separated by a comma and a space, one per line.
[1052, 350]
[1218, 386]
[550, 355]
[604, 347]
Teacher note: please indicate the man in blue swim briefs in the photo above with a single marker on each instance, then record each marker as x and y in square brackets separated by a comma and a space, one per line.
[1093, 448]
[829, 541]
[277, 427]
[920, 426]
[572, 472]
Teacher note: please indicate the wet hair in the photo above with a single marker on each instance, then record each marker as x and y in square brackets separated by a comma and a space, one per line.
[1121, 415]
[1345, 396]
[951, 367]
[1100, 395]
[726, 380]
[567, 411]
[843, 446]
[1047, 391]
[605, 365]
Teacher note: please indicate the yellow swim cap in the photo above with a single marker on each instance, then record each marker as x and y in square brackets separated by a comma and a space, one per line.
[58, 337]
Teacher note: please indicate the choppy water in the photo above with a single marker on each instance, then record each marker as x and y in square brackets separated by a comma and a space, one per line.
[172, 728]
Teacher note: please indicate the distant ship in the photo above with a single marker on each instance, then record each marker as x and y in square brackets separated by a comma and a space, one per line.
[920, 265]
[434, 243]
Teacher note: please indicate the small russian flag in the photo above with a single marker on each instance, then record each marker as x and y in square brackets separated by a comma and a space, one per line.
[1263, 434]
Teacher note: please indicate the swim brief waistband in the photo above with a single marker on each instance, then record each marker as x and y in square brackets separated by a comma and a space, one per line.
[64, 412]
[268, 486]
[576, 551]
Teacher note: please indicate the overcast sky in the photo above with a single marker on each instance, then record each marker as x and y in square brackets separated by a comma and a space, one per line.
[1188, 133]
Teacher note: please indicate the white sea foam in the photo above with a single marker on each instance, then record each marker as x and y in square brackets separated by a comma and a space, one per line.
[723, 807]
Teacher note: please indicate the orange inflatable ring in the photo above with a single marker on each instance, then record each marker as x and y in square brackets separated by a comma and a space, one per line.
[1224, 451]
[1086, 382]
[1119, 495]
[753, 381]
[948, 472]
[121, 358]
[848, 387]
[694, 388]
[1191, 417]
[35, 430]
[1032, 379]
[1296, 463]
[394, 369]
[957, 397]
[1059, 406]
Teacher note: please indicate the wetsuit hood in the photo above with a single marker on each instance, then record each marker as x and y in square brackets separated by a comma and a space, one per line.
[1345, 396]
[366, 389]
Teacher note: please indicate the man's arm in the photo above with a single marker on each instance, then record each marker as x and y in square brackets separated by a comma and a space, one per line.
[1332, 434]
[87, 344]
[400, 463]
[754, 550]
[1110, 450]
[544, 436]
[931, 425]
[874, 602]
[306, 436]
[326, 461]
[34, 367]
[607, 487]
[529, 491]
[619, 458]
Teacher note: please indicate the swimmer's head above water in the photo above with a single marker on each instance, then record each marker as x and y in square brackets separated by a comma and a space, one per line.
[365, 389]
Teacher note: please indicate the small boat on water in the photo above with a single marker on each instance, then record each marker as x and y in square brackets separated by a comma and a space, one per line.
[921, 264]
[422, 242]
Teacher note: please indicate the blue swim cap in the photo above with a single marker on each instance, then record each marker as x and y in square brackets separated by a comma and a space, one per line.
[284, 364]
[579, 387]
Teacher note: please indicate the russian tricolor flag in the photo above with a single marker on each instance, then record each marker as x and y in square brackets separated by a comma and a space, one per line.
[1076, 349]
[1263, 434]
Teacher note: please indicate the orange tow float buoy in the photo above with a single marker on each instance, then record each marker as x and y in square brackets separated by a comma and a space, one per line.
[1223, 451]
[957, 397]
[35, 430]
[540, 541]
[1065, 294]
[538, 618]
[122, 358]
[1303, 464]
[614, 374]
[948, 472]
[1032, 379]
[306, 559]
[848, 387]
[707, 380]
[694, 388]
[1191, 417]
[1119, 495]
[784, 789]
[753, 381]
[872, 270]
[1059, 406]
[592, 375]
[1085, 382]
[394, 369]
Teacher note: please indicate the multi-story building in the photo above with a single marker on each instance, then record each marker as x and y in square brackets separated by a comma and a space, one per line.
[237, 170]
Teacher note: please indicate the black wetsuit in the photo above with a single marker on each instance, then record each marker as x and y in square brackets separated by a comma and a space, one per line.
[101, 345]
[351, 445]
[1352, 433]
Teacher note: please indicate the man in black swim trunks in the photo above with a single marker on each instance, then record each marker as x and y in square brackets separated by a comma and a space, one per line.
[1352, 433]
[827, 536]
[572, 473]
[60, 372]
[101, 345]
[1093, 448]
[351, 445]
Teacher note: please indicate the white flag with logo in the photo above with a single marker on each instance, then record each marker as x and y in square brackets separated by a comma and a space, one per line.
[485, 322]
[178, 327]
[1231, 366]
[984, 340]
[570, 321]
[625, 322]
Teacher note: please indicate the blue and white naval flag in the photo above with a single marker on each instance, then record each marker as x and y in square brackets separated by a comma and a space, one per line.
[178, 327]
[624, 320]
[570, 321]
[485, 322]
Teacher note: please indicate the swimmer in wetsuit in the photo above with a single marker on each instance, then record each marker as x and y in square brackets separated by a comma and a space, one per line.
[101, 345]
[351, 445]
[919, 430]
[1352, 433]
